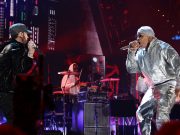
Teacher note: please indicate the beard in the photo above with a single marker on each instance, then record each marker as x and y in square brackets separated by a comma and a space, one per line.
[24, 39]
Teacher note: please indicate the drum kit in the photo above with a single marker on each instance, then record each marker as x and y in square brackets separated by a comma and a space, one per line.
[92, 87]
[91, 93]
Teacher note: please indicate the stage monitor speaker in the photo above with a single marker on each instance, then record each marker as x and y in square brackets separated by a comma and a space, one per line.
[97, 131]
[96, 115]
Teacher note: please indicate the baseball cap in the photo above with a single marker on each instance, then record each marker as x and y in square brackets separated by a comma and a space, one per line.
[146, 30]
[18, 27]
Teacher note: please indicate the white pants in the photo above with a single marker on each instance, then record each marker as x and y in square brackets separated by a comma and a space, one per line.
[150, 105]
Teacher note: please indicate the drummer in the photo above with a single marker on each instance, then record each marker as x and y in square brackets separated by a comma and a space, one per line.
[70, 87]
[70, 81]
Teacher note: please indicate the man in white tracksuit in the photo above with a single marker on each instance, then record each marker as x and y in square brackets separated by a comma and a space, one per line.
[159, 64]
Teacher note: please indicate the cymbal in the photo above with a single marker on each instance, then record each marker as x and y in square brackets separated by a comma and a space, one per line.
[85, 83]
[109, 79]
[58, 93]
[61, 93]
[68, 73]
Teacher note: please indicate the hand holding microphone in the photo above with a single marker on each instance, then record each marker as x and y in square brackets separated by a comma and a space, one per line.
[31, 47]
[133, 46]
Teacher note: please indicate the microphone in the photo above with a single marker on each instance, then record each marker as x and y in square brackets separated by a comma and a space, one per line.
[31, 42]
[125, 47]
[36, 47]
[131, 44]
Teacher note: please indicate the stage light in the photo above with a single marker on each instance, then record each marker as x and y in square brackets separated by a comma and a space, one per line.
[176, 37]
[94, 59]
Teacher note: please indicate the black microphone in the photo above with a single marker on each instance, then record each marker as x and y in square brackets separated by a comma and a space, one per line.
[33, 44]
[36, 47]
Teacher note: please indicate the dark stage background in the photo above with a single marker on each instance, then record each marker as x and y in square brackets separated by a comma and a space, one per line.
[67, 30]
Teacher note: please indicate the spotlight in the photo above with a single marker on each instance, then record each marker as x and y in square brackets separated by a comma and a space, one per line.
[94, 59]
[176, 37]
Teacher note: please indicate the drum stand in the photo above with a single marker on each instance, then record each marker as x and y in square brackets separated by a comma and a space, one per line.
[64, 115]
[64, 108]
[67, 113]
